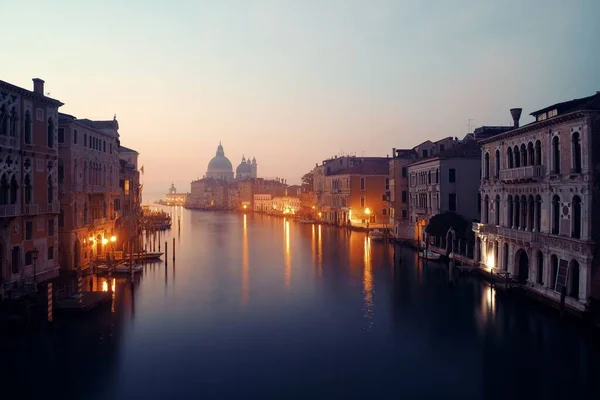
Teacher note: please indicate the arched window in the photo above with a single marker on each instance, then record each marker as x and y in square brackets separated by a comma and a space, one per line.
[429, 177]
[486, 166]
[509, 158]
[50, 190]
[531, 154]
[517, 212]
[523, 155]
[85, 213]
[486, 209]
[554, 270]
[574, 279]
[576, 149]
[13, 122]
[540, 268]
[538, 153]
[28, 188]
[576, 218]
[517, 155]
[362, 183]
[61, 171]
[524, 212]
[530, 213]
[14, 189]
[3, 120]
[497, 164]
[555, 155]
[50, 135]
[538, 213]
[4, 190]
[497, 210]
[509, 207]
[437, 175]
[555, 215]
[27, 127]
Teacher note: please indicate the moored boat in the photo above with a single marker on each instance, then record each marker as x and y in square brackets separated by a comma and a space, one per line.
[376, 234]
[429, 255]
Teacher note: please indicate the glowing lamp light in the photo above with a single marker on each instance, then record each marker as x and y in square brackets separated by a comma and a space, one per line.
[113, 238]
[91, 239]
[245, 206]
[490, 261]
[367, 211]
[104, 241]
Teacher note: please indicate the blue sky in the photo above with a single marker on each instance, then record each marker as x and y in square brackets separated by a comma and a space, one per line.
[294, 82]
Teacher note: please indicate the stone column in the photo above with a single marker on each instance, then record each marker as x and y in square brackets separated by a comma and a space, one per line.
[535, 212]
[533, 266]
[476, 251]
[511, 267]
[585, 280]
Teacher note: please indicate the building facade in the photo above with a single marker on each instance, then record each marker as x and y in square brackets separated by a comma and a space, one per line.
[263, 202]
[398, 196]
[538, 219]
[89, 188]
[29, 204]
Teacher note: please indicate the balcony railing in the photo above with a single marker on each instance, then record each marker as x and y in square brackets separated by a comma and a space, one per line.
[9, 210]
[485, 228]
[528, 173]
[32, 209]
[526, 236]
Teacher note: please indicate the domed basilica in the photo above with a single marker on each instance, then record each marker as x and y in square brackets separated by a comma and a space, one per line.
[220, 167]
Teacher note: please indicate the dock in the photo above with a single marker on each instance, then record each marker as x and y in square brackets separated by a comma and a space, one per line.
[84, 302]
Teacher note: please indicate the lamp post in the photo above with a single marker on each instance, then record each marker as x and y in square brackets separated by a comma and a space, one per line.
[113, 239]
[368, 213]
[34, 256]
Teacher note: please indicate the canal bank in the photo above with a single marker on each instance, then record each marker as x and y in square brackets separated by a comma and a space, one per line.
[325, 313]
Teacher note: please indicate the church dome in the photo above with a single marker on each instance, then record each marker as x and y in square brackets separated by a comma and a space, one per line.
[243, 168]
[220, 167]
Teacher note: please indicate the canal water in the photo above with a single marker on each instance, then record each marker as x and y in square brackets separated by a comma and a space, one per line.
[260, 307]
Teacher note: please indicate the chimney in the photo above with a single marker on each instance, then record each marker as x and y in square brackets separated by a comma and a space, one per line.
[516, 115]
[393, 152]
[38, 86]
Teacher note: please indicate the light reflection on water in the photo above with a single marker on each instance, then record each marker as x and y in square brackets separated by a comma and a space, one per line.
[230, 326]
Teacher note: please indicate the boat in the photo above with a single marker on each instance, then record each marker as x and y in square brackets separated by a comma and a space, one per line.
[376, 234]
[121, 268]
[429, 255]
[307, 221]
[147, 255]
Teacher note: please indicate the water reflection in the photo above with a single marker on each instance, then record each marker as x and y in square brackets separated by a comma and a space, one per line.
[368, 284]
[287, 256]
[245, 267]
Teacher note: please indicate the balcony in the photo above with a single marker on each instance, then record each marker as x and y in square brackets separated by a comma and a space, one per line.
[487, 229]
[522, 174]
[9, 210]
[525, 236]
[423, 210]
[32, 209]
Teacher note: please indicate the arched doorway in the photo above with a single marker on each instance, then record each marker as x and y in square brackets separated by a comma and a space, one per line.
[76, 252]
[522, 264]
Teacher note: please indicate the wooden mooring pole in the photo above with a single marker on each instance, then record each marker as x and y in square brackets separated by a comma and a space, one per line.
[166, 253]
[173, 249]
[50, 316]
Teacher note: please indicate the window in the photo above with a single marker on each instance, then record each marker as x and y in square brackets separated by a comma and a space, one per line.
[576, 149]
[74, 136]
[531, 154]
[442, 147]
[404, 214]
[61, 218]
[523, 155]
[538, 153]
[540, 268]
[497, 164]
[50, 133]
[517, 156]
[486, 167]
[362, 201]
[486, 209]
[452, 202]
[61, 135]
[404, 196]
[28, 123]
[555, 215]
[362, 184]
[425, 154]
[452, 175]
[383, 197]
[15, 259]
[387, 183]
[404, 172]
[556, 155]
[85, 140]
[50, 190]
[497, 210]
[429, 177]
[51, 227]
[28, 230]
[509, 158]
[384, 211]
[50, 252]
[576, 218]
[61, 171]
[110, 147]
[117, 205]
[104, 146]
[28, 258]
[27, 184]
[552, 113]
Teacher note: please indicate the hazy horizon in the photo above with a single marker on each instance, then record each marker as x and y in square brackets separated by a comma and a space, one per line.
[294, 82]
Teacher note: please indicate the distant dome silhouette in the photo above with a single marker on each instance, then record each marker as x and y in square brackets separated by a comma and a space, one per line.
[219, 166]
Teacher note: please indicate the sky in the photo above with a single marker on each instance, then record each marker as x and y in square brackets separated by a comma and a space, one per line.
[295, 82]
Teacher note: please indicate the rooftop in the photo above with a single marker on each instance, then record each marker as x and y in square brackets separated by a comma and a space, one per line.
[124, 149]
[367, 166]
[585, 103]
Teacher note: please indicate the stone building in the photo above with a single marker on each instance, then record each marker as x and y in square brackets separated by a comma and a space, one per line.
[88, 176]
[29, 173]
[538, 219]
[447, 181]
[400, 225]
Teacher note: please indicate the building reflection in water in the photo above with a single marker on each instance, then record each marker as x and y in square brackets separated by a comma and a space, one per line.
[287, 257]
[319, 252]
[368, 284]
[245, 267]
[488, 305]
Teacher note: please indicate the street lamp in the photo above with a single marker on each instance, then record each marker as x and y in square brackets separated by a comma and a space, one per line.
[368, 212]
[34, 256]
[113, 239]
